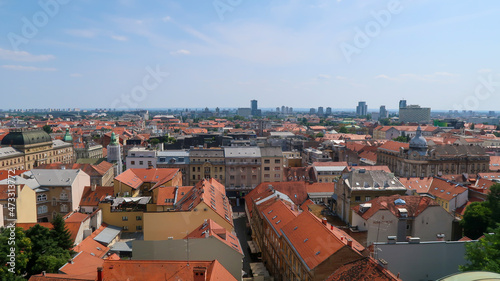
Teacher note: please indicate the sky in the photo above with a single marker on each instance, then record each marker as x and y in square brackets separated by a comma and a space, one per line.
[196, 54]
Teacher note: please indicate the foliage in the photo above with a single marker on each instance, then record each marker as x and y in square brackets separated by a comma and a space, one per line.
[61, 234]
[155, 141]
[343, 130]
[47, 129]
[237, 126]
[476, 220]
[484, 255]
[472, 126]
[22, 250]
[493, 202]
[402, 139]
[320, 135]
[385, 121]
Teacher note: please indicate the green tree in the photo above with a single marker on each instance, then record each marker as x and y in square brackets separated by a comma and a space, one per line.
[343, 130]
[47, 129]
[385, 121]
[477, 218]
[61, 234]
[493, 203]
[22, 251]
[472, 126]
[401, 139]
[46, 254]
[484, 254]
[320, 135]
[154, 141]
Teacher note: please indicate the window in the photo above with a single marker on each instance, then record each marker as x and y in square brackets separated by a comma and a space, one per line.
[277, 161]
[194, 169]
[139, 227]
[124, 218]
[267, 168]
[64, 208]
[231, 177]
[64, 196]
[150, 163]
[243, 177]
[132, 162]
[368, 198]
[267, 176]
[277, 175]
[194, 177]
[41, 197]
[267, 161]
[141, 162]
[277, 168]
[125, 227]
[357, 199]
[42, 209]
[138, 218]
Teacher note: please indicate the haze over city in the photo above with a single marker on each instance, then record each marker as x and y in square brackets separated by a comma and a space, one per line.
[89, 54]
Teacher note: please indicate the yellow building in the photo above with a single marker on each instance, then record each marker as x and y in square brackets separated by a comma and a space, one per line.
[272, 164]
[35, 147]
[206, 200]
[205, 164]
[25, 203]
[125, 214]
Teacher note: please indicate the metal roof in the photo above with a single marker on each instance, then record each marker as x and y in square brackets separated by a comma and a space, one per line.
[108, 234]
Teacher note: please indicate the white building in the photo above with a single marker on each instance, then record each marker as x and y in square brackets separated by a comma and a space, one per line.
[140, 157]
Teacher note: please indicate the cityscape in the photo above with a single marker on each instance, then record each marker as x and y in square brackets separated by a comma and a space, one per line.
[249, 140]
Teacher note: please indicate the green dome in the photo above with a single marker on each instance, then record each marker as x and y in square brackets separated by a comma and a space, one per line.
[26, 137]
[67, 137]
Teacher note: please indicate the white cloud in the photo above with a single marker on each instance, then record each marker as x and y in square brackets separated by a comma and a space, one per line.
[340, 77]
[485, 70]
[85, 33]
[23, 56]
[75, 75]
[383, 76]
[119, 38]
[27, 68]
[445, 74]
[324, 76]
[167, 18]
[180, 52]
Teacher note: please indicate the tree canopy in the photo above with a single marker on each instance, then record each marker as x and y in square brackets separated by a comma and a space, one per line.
[484, 255]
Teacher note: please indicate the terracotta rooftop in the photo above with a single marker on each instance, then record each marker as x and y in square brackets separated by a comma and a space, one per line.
[60, 277]
[394, 146]
[164, 270]
[313, 241]
[328, 164]
[369, 168]
[92, 198]
[278, 214]
[419, 185]
[136, 177]
[414, 205]
[211, 228]
[4, 174]
[365, 269]
[319, 187]
[83, 265]
[445, 190]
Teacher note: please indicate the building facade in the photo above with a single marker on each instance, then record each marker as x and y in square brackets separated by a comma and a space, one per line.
[206, 163]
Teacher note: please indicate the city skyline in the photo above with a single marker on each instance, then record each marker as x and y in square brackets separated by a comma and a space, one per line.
[127, 54]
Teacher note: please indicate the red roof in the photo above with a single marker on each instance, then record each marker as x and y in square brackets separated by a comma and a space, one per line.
[92, 198]
[366, 269]
[83, 265]
[4, 174]
[419, 185]
[136, 177]
[211, 228]
[320, 187]
[445, 190]
[164, 270]
[313, 241]
[414, 205]
[296, 191]
[394, 146]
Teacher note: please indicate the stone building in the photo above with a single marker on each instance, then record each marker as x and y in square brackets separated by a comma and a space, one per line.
[417, 159]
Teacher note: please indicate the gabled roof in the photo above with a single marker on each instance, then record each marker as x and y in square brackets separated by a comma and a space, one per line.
[55, 177]
[136, 177]
[414, 205]
[211, 229]
[366, 269]
[92, 198]
[83, 264]
[445, 190]
[278, 214]
[394, 146]
[419, 185]
[317, 187]
[296, 191]
[314, 242]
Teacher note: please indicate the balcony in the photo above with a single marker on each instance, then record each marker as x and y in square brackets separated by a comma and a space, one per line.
[243, 163]
[209, 162]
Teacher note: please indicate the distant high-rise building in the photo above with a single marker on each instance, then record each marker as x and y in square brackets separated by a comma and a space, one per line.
[328, 111]
[290, 110]
[415, 114]
[283, 109]
[254, 107]
[312, 111]
[287, 110]
[383, 112]
[320, 110]
[402, 104]
[362, 108]
[278, 109]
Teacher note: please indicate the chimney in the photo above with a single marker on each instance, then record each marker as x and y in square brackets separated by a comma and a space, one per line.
[349, 242]
[199, 274]
[440, 237]
[331, 226]
[99, 274]
[43, 273]
[92, 188]
[324, 221]
[391, 239]
[382, 263]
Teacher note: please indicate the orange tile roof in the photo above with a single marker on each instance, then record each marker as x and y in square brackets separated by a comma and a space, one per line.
[483, 185]
[211, 228]
[366, 269]
[83, 265]
[320, 187]
[60, 277]
[90, 246]
[368, 168]
[494, 163]
[415, 205]
[445, 190]
[136, 177]
[278, 214]
[164, 193]
[329, 164]
[163, 270]
[212, 193]
[4, 174]
[394, 146]
[313, 241]
[92, 198]
[295, 190]
[305, 205]
[26, 226]
[420, 185]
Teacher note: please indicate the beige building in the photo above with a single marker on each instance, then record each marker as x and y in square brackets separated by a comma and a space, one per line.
[272, 164]
[205, 164]
[36, 148]
[85, 150]
[243, 167]
[24, 205]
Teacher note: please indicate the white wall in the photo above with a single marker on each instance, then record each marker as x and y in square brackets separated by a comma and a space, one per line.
[432, 221]
[81, 180]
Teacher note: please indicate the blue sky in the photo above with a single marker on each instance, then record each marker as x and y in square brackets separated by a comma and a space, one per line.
[100, 54]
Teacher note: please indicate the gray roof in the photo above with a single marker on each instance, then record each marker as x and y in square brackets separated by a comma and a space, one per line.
[139, 200]
[271, 151]
[282, 134]
[122, 247]
[173, 153]
[329, 168]
[459, 150]
[7, 152]
[60, 144]
[53, 177]
[206, 153]
[108, 234]
[26, 179]
[372, 180]
[242, 152]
